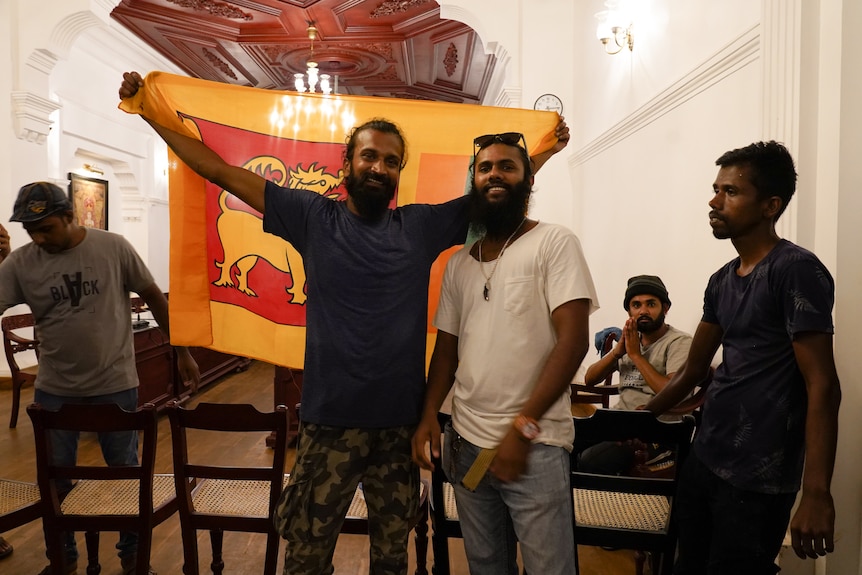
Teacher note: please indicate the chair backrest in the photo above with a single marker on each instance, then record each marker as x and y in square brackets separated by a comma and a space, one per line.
[629, 512]
[103, 498]
[94, 418]
[227, 418]
[14, 342]
[220, 497]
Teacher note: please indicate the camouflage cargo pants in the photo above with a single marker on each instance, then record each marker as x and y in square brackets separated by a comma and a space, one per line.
[330, 463]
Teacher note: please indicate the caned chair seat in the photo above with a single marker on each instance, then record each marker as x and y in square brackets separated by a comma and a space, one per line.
[20, 503]
[115, 496]
[15, 495]
[630, 512]
[621, 510]
[240, 498]
[358, 510]
[449, 502]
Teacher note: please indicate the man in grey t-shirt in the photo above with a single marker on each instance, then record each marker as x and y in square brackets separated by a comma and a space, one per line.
[649, 352]
[76, 282]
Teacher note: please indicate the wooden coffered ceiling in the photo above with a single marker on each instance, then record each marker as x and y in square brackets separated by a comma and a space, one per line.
[390, 48]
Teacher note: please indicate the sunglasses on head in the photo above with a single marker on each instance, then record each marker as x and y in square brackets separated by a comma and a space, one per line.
[508, 138]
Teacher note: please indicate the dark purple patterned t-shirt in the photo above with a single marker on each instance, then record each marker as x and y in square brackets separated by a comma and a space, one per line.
[753, 429]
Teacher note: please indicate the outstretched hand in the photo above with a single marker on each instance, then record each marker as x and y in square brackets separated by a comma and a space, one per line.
[562, 134]
[132, 82]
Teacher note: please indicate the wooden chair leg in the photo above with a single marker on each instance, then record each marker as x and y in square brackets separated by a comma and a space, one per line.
[190, 551]
[16, 402]
[271, 558]
[440, 545]
[92, 539]
[217, 538]
[421, 540]
[56, 551]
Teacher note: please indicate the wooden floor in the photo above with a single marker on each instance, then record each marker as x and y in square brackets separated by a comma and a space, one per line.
[243, 553]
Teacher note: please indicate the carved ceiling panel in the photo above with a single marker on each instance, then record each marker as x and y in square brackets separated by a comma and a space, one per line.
[390, 48]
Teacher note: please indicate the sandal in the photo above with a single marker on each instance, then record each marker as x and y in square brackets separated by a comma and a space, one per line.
[5, 548]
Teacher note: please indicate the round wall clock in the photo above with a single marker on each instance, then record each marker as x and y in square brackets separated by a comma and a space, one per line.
[549, 103]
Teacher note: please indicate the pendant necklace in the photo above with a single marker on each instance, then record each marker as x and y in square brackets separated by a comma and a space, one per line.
[486, 291]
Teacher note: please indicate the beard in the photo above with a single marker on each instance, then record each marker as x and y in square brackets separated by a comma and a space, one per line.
[648, 325]
[371, 201]
[499, 219]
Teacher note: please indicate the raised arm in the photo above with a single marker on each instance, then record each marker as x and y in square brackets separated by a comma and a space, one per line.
[655, 380]
[562, 134]
[245, 185]
[812, 528]
[704, 344]
[608, 364]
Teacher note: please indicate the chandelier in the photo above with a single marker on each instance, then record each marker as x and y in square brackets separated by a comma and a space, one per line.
[312, 75]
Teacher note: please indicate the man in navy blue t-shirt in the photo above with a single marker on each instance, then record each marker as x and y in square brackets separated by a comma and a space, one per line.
[770, 420]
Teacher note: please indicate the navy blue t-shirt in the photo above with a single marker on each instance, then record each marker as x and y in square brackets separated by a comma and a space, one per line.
[367, 307]
[753, 429]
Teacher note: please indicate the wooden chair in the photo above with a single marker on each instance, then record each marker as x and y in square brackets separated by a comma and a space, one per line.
[598, 394]
[129, 498]
[630, 512]
[356, 520]
[19, 503]
[444, 513]
[14, 343]
[356, 523]
[222, 498]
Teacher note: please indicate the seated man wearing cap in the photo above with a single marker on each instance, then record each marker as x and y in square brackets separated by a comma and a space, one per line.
[76, 282]
[648, 353]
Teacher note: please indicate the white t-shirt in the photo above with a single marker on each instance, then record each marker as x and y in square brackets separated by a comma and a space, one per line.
[503, 343]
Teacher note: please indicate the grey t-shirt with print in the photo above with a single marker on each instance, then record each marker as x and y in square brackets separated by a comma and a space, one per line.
[80, 301]
[666, 355]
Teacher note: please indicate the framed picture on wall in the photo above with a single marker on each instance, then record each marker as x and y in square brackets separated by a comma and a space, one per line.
[89, 198]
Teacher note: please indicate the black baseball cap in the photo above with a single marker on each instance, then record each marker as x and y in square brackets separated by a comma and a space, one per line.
[39, 200]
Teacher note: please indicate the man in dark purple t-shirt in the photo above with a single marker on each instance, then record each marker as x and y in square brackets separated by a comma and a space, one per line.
[770, 420]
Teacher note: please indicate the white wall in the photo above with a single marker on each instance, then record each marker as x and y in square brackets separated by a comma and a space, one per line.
[704, 77]
[647, 126]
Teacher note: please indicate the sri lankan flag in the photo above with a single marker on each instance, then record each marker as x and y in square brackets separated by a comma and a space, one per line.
[233, 287]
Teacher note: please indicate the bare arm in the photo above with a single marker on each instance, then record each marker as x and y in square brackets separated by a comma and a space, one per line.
[813, 525]
[705, 343]
[245, 185]
[655, 380]
[571, 325]
[608, 364]
[441, 376]
[158, 304]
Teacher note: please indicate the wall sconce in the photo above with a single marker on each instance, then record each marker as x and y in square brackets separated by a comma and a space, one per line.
[615, 29]
[94, 169]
